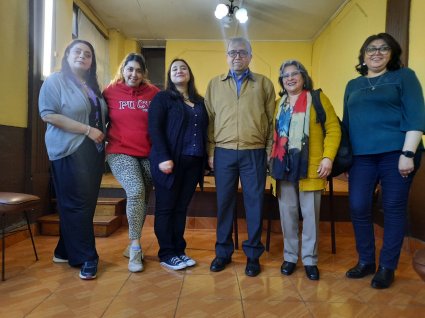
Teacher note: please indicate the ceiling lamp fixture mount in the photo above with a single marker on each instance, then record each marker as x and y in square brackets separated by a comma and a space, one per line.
[223, 10]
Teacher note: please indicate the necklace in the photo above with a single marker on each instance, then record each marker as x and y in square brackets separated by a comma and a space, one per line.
[372, 87]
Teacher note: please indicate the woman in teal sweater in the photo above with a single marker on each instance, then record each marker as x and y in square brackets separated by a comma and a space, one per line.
[385, 114]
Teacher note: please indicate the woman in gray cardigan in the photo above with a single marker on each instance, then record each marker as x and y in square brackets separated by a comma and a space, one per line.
[71, 104]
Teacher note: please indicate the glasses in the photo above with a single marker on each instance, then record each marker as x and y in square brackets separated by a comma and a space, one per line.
[241, 53]
[77, 52]
[384, 50]
[132, 69]
[292, 74]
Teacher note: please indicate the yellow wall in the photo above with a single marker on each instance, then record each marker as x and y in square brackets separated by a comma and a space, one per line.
[336, 50]
[119, 47]
[207, 58]
[416, 40]
[14, 63]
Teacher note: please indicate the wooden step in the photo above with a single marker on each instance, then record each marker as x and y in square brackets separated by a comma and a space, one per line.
[107, 206]
[110, 206]
[104, 225]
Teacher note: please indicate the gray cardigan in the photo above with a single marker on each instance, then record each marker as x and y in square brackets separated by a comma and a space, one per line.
[60, 95]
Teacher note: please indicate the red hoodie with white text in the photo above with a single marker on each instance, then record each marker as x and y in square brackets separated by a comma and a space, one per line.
[128, 113]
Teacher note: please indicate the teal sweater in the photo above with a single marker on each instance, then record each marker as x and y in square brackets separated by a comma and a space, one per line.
[379, 111]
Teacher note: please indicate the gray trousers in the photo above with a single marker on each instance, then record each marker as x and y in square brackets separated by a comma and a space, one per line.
[290, 199]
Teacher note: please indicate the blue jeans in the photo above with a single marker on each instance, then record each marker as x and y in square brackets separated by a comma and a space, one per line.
[366, 172]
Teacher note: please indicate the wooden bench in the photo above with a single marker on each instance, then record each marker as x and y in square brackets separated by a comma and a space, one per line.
[335, 187]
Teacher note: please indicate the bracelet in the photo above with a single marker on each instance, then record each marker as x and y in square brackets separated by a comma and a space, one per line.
[88, 130]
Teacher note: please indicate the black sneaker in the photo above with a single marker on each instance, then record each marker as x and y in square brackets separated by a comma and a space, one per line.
[89, 270]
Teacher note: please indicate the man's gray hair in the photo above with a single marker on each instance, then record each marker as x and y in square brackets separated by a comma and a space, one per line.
[242, 40]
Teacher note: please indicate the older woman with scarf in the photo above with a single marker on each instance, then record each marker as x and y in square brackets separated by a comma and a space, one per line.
[301, 160]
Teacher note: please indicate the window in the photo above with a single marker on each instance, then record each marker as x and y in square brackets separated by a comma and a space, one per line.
[47, 37]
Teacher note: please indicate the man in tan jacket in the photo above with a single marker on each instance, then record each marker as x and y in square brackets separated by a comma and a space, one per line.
[240, 106]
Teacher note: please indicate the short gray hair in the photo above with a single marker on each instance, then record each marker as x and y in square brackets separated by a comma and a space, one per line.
[242, 40]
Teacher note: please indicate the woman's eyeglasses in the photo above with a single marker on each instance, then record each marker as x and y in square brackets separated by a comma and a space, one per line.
[384, 50]
[292, 74]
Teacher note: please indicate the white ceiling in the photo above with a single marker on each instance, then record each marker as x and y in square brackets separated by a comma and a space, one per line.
[153, 21]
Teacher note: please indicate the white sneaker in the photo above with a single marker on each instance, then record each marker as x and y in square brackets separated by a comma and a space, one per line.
[174, 263]
[135, 263]
[186, 259]
[126, 252]
[57, 259]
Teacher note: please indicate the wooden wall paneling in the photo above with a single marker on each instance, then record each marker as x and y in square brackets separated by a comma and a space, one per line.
[397, 24]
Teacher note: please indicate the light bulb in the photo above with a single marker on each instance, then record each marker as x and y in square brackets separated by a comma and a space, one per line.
[221, 11]
[242, 15]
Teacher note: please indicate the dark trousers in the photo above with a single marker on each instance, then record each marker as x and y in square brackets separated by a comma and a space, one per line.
[77, 180]
[250, 167]
[365, 173]
[171, 207]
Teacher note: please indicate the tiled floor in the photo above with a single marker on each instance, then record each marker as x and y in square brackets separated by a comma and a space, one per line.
[44, 289]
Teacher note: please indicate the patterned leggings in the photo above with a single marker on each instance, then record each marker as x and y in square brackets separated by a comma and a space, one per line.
[134, 175]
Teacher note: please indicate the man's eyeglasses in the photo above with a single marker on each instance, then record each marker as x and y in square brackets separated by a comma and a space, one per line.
[384, 50]
[241, 53]
[292, 74]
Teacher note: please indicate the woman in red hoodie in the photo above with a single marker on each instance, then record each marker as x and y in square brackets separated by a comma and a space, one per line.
[129, 96]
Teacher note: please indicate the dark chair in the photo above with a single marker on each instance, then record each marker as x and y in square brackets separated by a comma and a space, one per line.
[11, 204]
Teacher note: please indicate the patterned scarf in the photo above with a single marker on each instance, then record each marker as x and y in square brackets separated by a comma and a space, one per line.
[289, 159]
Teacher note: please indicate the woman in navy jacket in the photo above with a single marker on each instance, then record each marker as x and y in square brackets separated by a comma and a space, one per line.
[178, 129]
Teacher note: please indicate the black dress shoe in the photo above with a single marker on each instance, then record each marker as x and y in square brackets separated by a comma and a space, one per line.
[312, 272]
[361, 270]
[383, 278]
[287, 268]
[252, 267]
[219, 263]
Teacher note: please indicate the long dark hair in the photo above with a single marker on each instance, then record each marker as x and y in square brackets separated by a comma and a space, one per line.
[90, 76]
[394, 62]
[129, 58]
[191, 88]
[308, 82]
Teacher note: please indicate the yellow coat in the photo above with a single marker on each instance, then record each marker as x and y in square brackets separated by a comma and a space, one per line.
[320, 146]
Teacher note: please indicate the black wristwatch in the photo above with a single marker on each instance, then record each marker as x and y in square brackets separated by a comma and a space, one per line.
[408, 153]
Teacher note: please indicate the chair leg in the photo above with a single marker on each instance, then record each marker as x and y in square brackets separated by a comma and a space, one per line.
[3, 245]
[32, 238]
[332, 216]
[269, 228]
[235, 226]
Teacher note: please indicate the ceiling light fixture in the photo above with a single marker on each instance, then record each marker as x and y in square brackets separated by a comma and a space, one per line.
[223, 10]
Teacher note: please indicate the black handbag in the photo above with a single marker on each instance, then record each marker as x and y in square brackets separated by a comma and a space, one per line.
[344, 156]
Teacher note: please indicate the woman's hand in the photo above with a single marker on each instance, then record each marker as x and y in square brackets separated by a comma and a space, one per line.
[325, 168]
[96, 135]
[166, 166]
[211, 162]
[405, 166]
